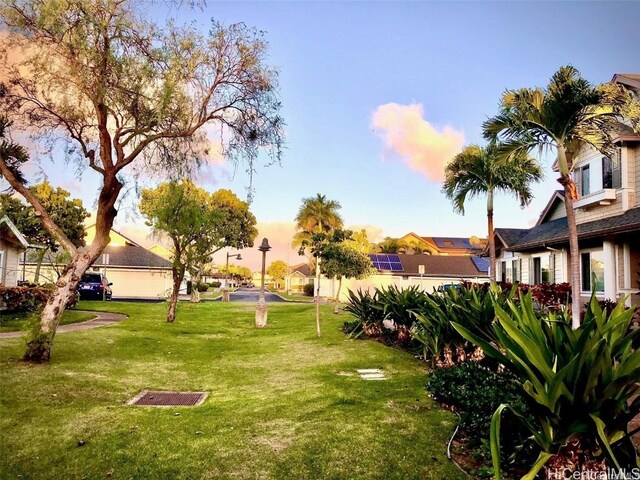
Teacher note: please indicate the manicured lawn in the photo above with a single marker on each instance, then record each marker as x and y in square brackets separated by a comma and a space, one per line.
[297, 298]
[283, 403]
[12, 322]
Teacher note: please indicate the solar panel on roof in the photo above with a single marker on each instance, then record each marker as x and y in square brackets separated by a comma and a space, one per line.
[481, 263]
[382, 261]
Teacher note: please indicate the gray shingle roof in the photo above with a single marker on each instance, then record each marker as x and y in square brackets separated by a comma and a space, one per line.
[557, 231]
[450, 266]
[132, 256]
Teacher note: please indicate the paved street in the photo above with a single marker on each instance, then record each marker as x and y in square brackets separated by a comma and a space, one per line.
[251, 295]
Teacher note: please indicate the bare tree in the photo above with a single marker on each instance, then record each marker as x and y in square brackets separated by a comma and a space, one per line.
[128, 96]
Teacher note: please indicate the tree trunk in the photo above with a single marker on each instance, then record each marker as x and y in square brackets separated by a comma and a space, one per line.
[335, 308]
[492, 240]
[178, 276]
[41, 339]
[36, 276]
[574, 251]
[195, 281]
[317, 298]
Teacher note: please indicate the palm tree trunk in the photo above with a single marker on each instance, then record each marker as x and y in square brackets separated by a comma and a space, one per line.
[574, 250]
[317, 297]
[492, 240]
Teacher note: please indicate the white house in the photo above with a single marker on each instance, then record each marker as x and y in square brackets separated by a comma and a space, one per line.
[608, 222]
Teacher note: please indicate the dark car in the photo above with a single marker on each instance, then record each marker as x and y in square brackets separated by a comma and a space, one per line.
[94, 286]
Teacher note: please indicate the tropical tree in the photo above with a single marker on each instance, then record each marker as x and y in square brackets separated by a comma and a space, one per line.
[480, 171]
[69, 215]
[392, 245]
[317, 215]
[278, 270]
[234, 227]
[127, 96]
[565, 116]
[340, 260]
[183, 213]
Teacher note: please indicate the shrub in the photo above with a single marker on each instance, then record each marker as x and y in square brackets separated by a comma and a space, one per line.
[470, 305]
[578, 383]
[552, 296]
[398, 305]
[368, 316]
[309, 290]
[29, 297]
[203, 287]
[215, 284]
[475, 392]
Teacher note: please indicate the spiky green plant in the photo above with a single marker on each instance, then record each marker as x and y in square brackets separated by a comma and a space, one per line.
[579, 382]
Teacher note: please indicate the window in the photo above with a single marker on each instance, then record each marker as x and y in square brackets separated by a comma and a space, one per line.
[540, 271]
[581, 179]
[1, 266]
[592, 271]
[515, 270]
[611, 177]
[537, 270]
[503, 271]
[551, 276]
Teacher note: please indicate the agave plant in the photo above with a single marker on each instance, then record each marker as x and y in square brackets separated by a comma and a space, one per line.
[579, 382]
[398, 304]
[469, 305]
[365, 308]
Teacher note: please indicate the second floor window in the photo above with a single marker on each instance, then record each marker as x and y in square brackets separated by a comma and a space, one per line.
[611, 177]
[581, 178]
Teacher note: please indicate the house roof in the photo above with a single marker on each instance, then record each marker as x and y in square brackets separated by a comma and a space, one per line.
[303, 269]
[121, 256]
[8, 229]
[132, 256]
[557, 231]
[440, 266]
[630, 79]
[558, 196]
[510, 236]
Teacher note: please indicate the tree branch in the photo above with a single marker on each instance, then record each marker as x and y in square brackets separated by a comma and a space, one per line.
[41, 213]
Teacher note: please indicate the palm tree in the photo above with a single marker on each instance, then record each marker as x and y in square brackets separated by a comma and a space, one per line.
[478, 171]
[564, 116]
[316, 215]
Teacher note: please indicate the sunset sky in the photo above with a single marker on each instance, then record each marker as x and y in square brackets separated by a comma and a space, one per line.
[378, 96]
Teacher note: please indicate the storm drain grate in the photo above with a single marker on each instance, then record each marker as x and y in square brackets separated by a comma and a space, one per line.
[168, 399]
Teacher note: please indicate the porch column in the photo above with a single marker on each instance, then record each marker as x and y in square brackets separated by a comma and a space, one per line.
[610, 280]
[626, 262]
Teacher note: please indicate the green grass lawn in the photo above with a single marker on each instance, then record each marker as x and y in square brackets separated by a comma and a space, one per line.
[296, 298]
[12, 322]
[283, 404]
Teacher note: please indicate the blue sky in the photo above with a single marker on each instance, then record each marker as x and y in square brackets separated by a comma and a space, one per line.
[427, 72]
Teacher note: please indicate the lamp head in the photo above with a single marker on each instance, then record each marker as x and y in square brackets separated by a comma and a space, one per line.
[265, 246]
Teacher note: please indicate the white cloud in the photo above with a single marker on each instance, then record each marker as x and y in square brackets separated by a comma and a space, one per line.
[424, 148]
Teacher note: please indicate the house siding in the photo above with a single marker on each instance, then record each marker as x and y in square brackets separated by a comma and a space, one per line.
[559, 211]
[636, 173]
[596, 212]
[10, 264]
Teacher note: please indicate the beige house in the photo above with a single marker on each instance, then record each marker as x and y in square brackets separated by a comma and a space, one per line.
[12, 245]
[134, 271]
[608, 222]
[298, 276]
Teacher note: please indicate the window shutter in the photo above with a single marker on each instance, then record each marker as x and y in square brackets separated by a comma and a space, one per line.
[531, 278]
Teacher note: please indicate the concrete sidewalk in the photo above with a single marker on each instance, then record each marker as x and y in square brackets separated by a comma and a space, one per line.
[101, 319]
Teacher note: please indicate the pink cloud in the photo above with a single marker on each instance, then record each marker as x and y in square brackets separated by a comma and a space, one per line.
[423, 147]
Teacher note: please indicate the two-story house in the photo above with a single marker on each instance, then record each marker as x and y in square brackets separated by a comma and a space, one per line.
[607, 218]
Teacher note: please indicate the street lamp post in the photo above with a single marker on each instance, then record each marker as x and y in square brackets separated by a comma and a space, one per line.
[261, 309]
[225, 292]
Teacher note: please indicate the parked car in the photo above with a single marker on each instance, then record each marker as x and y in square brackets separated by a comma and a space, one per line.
[94, 286]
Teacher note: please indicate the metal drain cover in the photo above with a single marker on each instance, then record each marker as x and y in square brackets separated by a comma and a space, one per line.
[168, 399]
